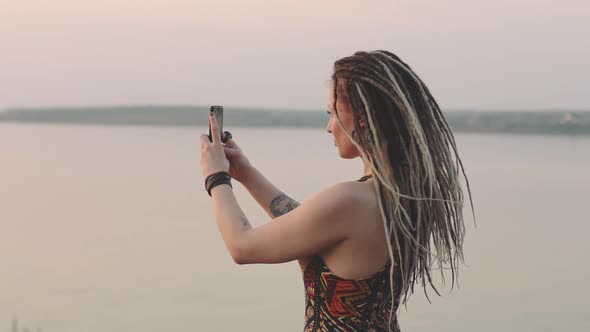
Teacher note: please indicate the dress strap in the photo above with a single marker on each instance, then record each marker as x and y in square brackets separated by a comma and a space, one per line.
[364, 178]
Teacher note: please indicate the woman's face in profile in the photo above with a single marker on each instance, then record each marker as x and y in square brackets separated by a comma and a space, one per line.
[346, 149]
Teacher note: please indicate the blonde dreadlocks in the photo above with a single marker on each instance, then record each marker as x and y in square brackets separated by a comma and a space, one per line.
[402, 133]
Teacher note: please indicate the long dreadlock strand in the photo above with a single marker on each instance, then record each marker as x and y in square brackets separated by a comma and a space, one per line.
[402, 134]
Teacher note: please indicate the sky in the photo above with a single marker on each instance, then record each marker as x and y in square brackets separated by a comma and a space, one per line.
[485, 55]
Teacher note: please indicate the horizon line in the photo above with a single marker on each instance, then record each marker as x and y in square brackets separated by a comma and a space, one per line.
[281, 108]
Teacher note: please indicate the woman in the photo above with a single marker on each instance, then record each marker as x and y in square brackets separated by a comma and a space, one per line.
[362, 245]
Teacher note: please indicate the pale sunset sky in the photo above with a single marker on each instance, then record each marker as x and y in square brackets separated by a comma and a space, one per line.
[499, 55]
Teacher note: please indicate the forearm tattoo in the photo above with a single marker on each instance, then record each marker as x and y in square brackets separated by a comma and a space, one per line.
[282, 204]
[245, 222]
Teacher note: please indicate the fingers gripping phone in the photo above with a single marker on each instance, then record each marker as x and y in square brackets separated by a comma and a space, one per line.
[218, 111]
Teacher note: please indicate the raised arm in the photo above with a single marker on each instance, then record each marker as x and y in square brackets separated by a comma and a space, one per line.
[299, 233]
[272, 200]
[321, 222]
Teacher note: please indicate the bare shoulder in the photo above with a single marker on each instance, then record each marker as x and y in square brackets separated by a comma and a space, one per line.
[346, 200]
[321, 222]
[353, 191]
[339, 195]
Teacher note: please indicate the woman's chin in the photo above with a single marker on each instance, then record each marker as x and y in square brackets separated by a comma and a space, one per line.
[347, 154]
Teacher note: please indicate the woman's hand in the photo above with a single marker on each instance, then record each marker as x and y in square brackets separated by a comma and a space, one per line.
[213, 158]
[239, 165]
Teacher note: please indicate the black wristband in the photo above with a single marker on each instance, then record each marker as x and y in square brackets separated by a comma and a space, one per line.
[218, 182]
[214, 178]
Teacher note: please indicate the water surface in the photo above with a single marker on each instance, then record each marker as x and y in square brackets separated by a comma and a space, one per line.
[110, 229]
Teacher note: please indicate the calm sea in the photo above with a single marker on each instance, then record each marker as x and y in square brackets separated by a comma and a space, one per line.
[106, 228]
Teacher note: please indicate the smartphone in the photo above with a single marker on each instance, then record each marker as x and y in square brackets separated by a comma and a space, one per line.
[218, 111]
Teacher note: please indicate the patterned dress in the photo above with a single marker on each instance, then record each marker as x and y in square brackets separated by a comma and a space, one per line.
[352, 305]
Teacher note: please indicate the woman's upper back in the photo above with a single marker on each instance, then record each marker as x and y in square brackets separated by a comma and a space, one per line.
[347, 287]
[365, 251]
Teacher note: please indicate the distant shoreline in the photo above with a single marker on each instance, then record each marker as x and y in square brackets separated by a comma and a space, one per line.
[518, 122]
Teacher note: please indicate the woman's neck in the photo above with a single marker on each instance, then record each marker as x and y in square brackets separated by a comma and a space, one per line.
[367, 171]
